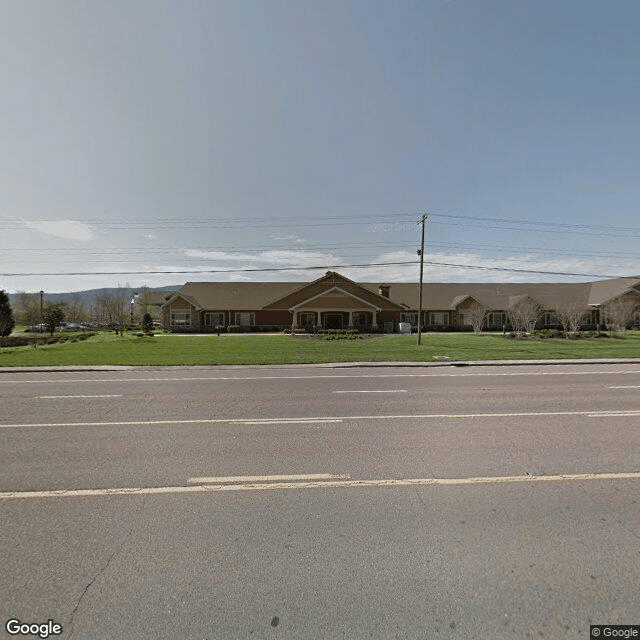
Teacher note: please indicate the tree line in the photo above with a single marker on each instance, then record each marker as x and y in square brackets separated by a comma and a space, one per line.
[107, 308]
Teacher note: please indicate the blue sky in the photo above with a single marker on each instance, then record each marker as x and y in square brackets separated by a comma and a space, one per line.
[148, 136]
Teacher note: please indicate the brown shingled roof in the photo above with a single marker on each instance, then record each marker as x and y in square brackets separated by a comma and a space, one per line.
[252, 296]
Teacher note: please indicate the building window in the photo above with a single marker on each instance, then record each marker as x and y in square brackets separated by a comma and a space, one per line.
[180, 317]
[587, 318]
[245, 319]
[496, 319]
[552, 319]
[307, 318]
[359, 319]
[213, 319]
[439, 318]
[409, 317]
[464, 319]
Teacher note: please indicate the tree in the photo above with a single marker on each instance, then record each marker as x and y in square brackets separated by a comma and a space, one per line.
[76, 310]
[570, 317]
[144, 299]
[477, 314]
[112, 307]
[28, 307]
[52, 317]
[524, 314]
[7, 321]
[147, 322]
[619, 312]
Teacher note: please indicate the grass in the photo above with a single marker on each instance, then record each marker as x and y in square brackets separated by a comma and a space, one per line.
[109, 349]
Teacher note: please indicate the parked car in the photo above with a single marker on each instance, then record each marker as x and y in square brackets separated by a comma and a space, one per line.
[70, 326]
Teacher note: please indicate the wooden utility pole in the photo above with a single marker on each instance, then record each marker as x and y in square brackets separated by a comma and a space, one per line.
[421, 252]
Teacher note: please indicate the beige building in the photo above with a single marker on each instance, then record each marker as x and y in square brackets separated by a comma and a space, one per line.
[335, 302]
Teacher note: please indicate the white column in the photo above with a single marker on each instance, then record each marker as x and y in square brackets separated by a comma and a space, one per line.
[350, 319]
[374, 324]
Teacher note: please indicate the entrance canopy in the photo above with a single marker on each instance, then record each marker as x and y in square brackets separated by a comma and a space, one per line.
[335, 302]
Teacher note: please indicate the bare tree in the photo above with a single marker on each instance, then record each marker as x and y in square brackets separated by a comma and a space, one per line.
[570, 316]
[76, 310]
[524, 314]
[619, 312]
[477, 313]
[28, 308]
[102, 307]
[112, 307]
[144, 299]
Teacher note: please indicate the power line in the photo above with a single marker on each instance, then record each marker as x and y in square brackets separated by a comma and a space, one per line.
[312, 268]
[390, 218]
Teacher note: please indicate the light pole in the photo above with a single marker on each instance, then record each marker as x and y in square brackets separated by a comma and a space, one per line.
[133, 301]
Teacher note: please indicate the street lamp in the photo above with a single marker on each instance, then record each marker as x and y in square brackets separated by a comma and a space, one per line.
[133, 301]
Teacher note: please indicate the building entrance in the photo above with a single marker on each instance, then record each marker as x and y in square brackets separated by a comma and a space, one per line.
[333, 321]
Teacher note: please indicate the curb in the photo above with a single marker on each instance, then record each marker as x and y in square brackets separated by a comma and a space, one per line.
[327, 365]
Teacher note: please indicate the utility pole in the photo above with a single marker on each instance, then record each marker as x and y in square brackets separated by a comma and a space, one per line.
[421, 252]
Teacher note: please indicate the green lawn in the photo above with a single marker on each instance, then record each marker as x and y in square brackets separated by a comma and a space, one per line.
[109, 349]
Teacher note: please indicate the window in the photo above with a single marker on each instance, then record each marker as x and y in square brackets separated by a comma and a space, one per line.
[409, 317]
[213, 319]
[307, 318]
[245, 319]
[180, 317]
[496, 319]
[636, 318]
[439, 318]
[552, 319]
[359, 319]
[587, 318]
[465, 319]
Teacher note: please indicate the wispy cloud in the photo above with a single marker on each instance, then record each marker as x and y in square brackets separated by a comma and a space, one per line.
[67, 229]
[290, 238]
[295, 258]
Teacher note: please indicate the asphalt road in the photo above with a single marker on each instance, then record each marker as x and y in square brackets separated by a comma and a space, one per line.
[311, 502]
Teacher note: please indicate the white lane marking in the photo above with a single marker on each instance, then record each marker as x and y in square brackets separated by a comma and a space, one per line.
[276, 421]
[352, 484]
[633, 386]
[287, 421]
[613, 414]
[329, 376]
[281, 478]
[369, 391]
[110, 395]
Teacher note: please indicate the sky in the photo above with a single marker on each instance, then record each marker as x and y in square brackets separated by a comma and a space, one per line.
[148, 142]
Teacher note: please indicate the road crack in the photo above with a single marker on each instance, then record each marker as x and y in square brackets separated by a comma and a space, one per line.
[104, 568]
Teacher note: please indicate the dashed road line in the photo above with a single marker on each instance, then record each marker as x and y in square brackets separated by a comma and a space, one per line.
[373, 391]
[106, 395]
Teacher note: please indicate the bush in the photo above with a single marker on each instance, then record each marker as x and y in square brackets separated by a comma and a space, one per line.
[23, 341]
[547, 333]
[338, 334]
[147, 322]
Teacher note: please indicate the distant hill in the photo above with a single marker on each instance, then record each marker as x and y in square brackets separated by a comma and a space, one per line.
[89, 295]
